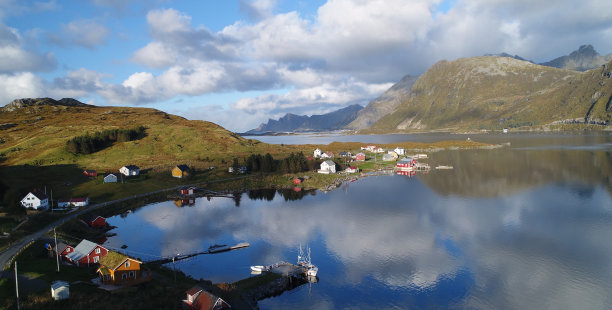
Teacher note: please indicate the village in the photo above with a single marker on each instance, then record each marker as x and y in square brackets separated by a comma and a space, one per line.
[116, 271]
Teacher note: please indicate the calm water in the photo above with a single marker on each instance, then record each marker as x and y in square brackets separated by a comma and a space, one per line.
[522, 227]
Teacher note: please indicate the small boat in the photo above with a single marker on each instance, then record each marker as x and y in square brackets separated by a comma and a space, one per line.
[259, 268]
[444, 167]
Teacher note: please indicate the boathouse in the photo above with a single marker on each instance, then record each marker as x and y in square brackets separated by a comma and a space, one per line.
[406, 163]
[198, 298]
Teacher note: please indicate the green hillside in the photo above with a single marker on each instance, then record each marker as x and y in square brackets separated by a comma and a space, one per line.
[500, 92]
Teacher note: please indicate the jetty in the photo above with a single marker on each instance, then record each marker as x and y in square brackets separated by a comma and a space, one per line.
[197, 192]
[211, 250]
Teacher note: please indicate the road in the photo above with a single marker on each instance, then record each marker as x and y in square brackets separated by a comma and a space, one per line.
[7, 254]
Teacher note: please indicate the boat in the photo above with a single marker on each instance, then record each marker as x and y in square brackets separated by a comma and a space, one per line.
[444, 167]
[311, 270]
[259, 268]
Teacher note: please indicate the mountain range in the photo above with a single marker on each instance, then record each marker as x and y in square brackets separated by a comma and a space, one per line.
[479, 93]
[335, 120]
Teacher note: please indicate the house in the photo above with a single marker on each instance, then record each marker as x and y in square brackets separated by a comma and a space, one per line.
[73, 202]
[298, 181]
[230, 169]
[198, 298]
[60, 290]
[360, 157]
[110, 178]
[86, 253]
[317, 153]
[406, 163]
[328, 167]
[351, 170]
[118, 269]
[345, 154]
[327, 155]
[369, 148]
[35, 199]
[188, 190]
[129, 170]
[64, 249]
[180, 171]
[95, 221]
[90, 173]
[400, 151]
[378, 150]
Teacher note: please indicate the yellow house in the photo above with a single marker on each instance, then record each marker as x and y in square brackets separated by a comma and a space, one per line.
[180, 171]
[119, 269]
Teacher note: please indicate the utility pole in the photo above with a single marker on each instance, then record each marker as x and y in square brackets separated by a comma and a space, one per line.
[16, 286]
[56, 252]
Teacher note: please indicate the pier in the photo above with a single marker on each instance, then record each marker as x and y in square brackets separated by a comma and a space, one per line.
[211, 250]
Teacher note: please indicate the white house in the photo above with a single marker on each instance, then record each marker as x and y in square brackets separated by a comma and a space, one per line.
[317, 153]
[378, 150]
[60, 290]
[328, 167]
[111, 178]
[129, 170]
[36, 200]
[77, 202]
[327, 155]
[400, 151]
[351, 170]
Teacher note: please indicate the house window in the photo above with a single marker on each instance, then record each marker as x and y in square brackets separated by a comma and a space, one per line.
[131, 274]
[98, 251]
[96, 259]
[124, 276]
[127, 264]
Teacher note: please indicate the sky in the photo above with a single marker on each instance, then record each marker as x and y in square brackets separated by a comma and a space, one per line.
[238, 63]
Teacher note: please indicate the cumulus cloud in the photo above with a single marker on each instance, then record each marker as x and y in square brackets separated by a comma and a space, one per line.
[84, 32]
[14, 57]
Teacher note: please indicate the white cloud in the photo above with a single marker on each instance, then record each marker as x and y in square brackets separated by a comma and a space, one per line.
[14, 57]
[83, 32]
[20, 85]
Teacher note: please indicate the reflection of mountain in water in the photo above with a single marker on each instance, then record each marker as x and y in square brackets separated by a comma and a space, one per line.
[287, 194]
[500, 172]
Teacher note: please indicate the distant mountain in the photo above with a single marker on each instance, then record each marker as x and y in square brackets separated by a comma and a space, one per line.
[301, 123]
[497, 92]
[585, 58]
[385, 104]
[508, 55]
[31, 102]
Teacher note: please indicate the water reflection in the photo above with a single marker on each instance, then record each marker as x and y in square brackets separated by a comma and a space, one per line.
[467, 238]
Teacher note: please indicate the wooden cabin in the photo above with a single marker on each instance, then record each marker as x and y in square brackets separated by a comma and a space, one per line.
[118, 269]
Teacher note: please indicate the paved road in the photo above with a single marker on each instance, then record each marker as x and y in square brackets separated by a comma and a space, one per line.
[7, 254]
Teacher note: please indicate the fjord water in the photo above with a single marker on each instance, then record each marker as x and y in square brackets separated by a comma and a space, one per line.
[526, 226]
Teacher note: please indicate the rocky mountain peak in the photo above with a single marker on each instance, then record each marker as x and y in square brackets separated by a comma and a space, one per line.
[30, 102]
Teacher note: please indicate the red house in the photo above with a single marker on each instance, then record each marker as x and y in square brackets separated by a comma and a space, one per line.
[198, 298]
[64, 249]
[360, 157]
[95, 221]
[298, 181]
[90, 173]
[406, 163]
[86, 253]
[187, 190]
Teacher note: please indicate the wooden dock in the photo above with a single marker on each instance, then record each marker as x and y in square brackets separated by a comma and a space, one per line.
[211, 250]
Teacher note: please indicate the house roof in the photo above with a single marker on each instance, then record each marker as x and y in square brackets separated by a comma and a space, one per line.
[90, 171]
[205, 300]
[132, 167]
[92, 217]
[183, 167]
[39, 194]
[405, 160]
[108, 175]
[329, 163]
[61, 246]
[103, 270]
[194, 290]
[58, 284]
[82, 249]
[113, 260]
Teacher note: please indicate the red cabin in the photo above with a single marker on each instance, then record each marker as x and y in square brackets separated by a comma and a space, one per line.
[86, 253]
[90, 173]
[95, 221]
[406, 163]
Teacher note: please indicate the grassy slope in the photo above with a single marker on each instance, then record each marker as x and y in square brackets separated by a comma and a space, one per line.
[496, 92]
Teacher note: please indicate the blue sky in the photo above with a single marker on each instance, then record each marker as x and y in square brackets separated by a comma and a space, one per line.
[238, 63]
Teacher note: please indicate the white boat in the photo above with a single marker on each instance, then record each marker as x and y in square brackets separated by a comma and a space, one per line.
[259, 268]
[311, 270]
[444, 167]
